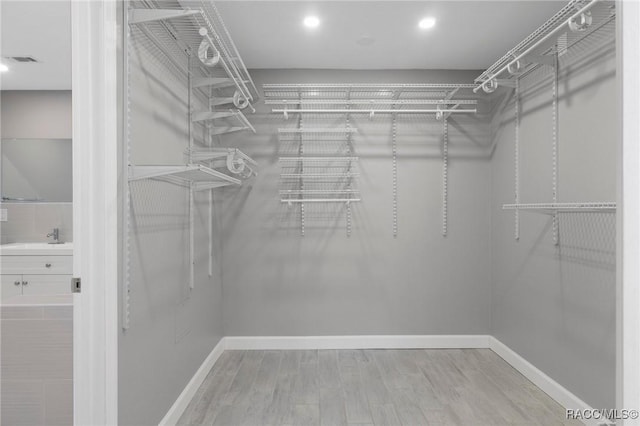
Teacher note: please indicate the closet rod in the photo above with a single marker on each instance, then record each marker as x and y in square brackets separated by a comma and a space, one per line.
[326, 101]
[376, 111]
[554, 32]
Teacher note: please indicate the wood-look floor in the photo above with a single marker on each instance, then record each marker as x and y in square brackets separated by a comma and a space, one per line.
[369, 387]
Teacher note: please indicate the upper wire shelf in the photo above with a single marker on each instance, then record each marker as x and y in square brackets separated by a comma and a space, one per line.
[357, 90]
[369, 98]
[554, 208]
[379, 103]
[179, 27]
[576, 20]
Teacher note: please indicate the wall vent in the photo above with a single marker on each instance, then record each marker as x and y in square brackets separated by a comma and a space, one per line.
[22, 59]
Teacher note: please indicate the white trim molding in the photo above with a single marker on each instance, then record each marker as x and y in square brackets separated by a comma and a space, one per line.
[357, 342]
[94, 46]
[628, 214]
[185, 397]
[549, 386]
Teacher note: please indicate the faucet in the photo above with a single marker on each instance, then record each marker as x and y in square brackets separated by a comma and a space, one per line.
[56, 236]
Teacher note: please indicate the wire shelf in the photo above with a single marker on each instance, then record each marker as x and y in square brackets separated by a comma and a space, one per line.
[543, 39]
[354, 91]
[319, 131]
[318, 191]
[176, 25]
[373, 103]
[328, 159]
[554, 208]
[369, 96]
[319, 200]
[346, 175]
[202, 177]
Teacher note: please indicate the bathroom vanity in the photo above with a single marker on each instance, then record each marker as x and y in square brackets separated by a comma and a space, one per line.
[35, 269]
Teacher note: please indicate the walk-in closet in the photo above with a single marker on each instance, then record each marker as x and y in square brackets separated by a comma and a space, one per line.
[381, 213]
[355, 213]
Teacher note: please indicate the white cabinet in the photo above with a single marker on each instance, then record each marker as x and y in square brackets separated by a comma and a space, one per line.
[25, 274]
[10, 285]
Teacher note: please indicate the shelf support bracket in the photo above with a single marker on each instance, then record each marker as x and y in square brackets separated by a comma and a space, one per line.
[445, 166]
[554, 147]
[516, 159]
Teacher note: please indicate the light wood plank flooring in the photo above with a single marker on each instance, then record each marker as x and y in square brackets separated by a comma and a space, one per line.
[472, 387]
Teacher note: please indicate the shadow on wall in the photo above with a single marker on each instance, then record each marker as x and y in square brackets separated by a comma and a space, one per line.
[594, 52]
[583, 277]
[588, 239]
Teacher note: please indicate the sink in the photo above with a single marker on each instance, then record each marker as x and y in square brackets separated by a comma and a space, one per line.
[26, 249]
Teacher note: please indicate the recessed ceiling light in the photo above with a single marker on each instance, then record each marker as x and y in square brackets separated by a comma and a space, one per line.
[311, 21]
[4, 68]
[426, 23]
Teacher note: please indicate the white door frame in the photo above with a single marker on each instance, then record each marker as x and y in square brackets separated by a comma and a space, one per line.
[628, 215]
[95, 210]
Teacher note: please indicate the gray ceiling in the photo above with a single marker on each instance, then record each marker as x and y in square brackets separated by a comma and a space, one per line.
[467, 35]
[270, 34]
[41, 29]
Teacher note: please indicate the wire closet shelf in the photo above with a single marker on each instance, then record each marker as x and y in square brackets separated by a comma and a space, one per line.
[436, 100]
[320, 177]
[575, 21]
[554, 208]
[188, 41]
[184, 28]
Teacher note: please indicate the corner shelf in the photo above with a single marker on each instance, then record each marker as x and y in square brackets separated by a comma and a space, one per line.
[555, 208]
[181, 26]
[200, 176]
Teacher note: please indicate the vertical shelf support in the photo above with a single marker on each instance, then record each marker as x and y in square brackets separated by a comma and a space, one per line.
[300, 154]
[517, 157]
[191, 192]
[126, 161]
[349, 154]
[191, 239]
[394, 167]
[554, 145]
[445, 173]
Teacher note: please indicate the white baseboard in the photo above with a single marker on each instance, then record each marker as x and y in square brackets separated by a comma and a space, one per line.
[357, 342]
[178, 407]
[549, 386]
[540, 379]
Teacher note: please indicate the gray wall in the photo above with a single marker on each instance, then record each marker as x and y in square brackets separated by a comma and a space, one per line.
[555, 306]
[31, 222]
[37, 169]
[279, 283]
[36, 114]
[172, 329]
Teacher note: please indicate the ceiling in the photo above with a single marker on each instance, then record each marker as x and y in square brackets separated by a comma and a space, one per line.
[42, 30]
[380, 34]
[270, 34]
